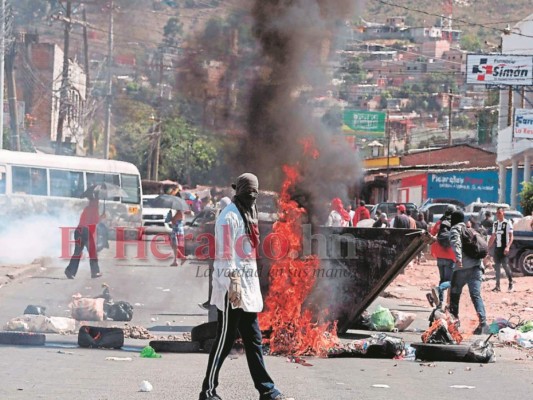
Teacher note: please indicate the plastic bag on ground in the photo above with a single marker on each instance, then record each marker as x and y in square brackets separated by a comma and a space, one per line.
[36, 310]
[526, 327]
[402, 320]
[382, 319]
[149, 352]
[87, 309]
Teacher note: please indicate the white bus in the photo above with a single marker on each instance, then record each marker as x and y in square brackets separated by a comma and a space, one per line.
[42, 184]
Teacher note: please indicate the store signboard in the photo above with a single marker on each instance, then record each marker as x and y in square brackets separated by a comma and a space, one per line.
[499, 69]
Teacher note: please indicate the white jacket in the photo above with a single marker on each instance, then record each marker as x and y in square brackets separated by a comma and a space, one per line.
[230, 228]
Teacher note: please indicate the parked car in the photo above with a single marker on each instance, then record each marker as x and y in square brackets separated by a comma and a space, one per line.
[521, 252]
[154, 218]
[390, 208]
[434, 211]
[448, 200]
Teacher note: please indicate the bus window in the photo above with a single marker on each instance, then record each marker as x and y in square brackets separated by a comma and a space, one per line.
[131, 184]
[66, 183]
[29, 181]
[2, 179]
[94, 179]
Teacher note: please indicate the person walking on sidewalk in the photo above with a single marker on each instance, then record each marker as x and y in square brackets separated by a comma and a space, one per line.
[468, 271]
[441, 249]
[502, 234]
[236, 291]
[85, 236]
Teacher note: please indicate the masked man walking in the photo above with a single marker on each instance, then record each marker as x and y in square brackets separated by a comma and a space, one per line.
[236, 291]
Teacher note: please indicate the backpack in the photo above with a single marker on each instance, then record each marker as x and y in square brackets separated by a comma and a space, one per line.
[474, 244]
[443, 236]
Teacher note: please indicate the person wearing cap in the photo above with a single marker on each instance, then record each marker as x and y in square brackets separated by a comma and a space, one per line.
[468, 271]
[445, 258]
[401, 220]
[361, 213]
[236, 290]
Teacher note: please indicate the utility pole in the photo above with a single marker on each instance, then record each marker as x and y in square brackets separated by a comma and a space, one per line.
[2, 60]
[387, 130]
[107, 128]
[158, 121]
[12, 97]
[450, 103]
[63, 96]
[510, 107]
[90, 138]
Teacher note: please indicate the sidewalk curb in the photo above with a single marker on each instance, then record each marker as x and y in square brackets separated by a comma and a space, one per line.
[16, 272]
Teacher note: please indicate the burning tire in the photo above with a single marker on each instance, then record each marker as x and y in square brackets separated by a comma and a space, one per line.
[22, 338]
[175, 346]
[440, 352]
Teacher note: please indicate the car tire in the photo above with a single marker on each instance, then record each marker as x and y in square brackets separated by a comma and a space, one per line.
[175, 346]
[22, 338]
[526, 262]
[440, 352]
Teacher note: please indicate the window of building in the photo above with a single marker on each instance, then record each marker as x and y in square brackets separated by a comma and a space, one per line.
[2, 179]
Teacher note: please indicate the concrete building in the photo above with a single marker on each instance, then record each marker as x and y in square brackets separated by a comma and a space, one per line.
[513, 152]
[39, 68]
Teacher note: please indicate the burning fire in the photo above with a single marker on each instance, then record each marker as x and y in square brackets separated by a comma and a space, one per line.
[293, 331]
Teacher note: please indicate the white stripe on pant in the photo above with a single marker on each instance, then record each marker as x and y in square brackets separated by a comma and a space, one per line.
[219, 349]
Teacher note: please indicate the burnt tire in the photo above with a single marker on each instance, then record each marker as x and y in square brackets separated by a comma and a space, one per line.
[175, 346]
[525, 262]
[203, 332]
[22, 338]
[440, 352]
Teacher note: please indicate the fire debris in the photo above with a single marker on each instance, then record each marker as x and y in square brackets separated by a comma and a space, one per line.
[135, 331]
[293, 332]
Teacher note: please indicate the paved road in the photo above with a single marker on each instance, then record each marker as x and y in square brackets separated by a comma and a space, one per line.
[45, 373]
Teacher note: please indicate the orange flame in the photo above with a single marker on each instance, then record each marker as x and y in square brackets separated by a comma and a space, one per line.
[293, 331]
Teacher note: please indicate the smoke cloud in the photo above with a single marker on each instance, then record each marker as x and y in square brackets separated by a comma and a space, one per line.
[298, 39]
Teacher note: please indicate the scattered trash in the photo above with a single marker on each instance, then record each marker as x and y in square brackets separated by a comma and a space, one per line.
[377, 346]
[87, 309]
[153, 319]
[70, 353]
[41, 324]
[149, 352]
[402, 319]
[382, 319]
[443, 329]
[462, 387]
[166, 290]
[381, 386]
[146, 386]
[298, 360]
[119, 359]
[135, 332]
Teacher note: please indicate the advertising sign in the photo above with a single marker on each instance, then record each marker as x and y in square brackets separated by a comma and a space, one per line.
[499, 69]
[364, 123]
[523, 123]
[464, 185]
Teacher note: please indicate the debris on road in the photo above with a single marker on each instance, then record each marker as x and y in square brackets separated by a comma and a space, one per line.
[149, 352]
[136, 332]
[146, 386]
[381, 386]
[119, 359]
[41, 324]
[462, 387]
[96, 337]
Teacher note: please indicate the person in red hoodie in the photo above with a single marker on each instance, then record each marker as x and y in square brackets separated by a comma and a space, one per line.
[84, 236]
[441, 249]
[361, 213]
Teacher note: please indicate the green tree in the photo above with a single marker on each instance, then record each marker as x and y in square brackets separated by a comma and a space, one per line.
[172, 33]
[526, 197]
[470, 42]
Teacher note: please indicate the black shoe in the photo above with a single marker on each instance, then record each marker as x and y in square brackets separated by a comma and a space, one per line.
[205, 305]
[511, 288]
[68, 274]
[430, 299]
[215, 397]
[97, 275]
[482, 329]
[496, 289]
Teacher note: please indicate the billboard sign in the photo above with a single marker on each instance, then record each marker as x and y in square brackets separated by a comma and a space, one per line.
[523, 123]
[364, 123]
[499, 69]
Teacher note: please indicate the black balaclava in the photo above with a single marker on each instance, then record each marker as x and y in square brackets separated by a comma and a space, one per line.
[246, 191]
[457, 217]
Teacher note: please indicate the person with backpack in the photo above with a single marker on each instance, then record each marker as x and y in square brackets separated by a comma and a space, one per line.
[502, 234]
[469, 252]
[442, 251]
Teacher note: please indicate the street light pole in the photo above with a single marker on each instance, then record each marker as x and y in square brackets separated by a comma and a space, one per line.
[450, 98]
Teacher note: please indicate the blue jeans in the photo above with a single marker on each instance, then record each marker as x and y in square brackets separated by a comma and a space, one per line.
[229, 322]
[471, 277]
[445, 272]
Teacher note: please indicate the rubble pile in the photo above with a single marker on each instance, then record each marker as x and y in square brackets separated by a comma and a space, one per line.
[183, 337]
[135, 331]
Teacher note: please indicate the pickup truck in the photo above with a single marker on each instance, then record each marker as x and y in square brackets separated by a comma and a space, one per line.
[521, 252]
